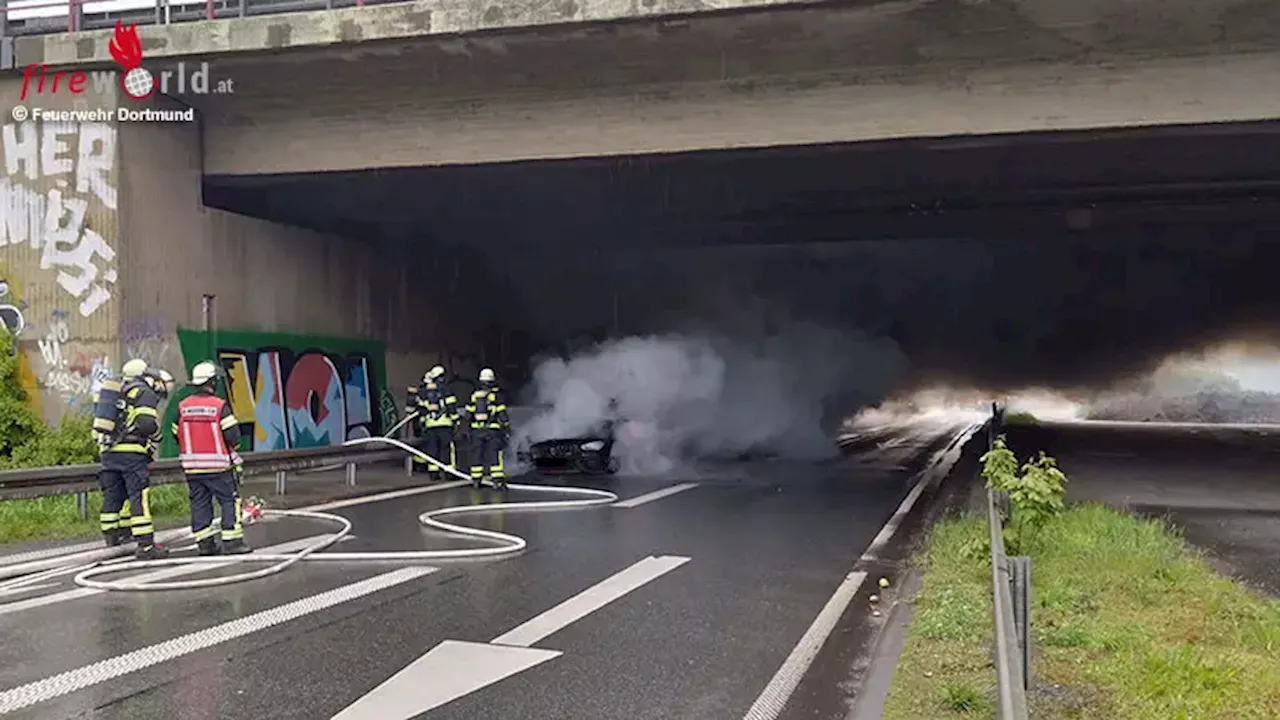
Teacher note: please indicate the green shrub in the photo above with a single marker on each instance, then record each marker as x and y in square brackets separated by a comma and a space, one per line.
[1035, 491]
[25, 441]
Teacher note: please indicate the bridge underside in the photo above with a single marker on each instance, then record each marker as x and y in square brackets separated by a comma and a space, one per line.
[1041, 185]
[795, 76]
[1056, 257]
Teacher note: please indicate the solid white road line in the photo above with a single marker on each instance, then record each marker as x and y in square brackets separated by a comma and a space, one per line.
[655, 495]
[590, 600]
[111, 668]
[926, 477]
[155, 576]
[770, 703]
[774, 698]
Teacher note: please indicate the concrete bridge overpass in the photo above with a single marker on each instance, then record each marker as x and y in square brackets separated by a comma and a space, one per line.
[381, 92]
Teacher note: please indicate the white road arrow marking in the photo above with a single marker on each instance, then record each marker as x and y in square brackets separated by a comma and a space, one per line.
[451, 670]
[455, 669]
[589, 601]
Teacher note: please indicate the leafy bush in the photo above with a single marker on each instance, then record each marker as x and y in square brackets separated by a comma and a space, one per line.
[1035, 490]
[25, 441]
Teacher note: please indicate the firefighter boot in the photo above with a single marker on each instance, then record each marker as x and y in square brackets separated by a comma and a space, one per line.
[117, 537]
[236, 547]
[208, 546]
[154, 551]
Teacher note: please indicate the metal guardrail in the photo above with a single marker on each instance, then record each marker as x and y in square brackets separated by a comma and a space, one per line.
[1011, 607]
[82, 479]
[43, 17]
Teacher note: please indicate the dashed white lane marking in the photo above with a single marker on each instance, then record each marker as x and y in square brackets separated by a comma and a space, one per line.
[111, 668]
[655, 495]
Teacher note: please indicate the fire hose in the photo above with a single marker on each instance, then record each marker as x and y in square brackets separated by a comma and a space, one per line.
[509, 544]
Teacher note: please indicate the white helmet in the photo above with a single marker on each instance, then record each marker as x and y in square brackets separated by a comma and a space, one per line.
[487, 375]
[164, 380]
[434, 373]
[134, 368]
[203, 372]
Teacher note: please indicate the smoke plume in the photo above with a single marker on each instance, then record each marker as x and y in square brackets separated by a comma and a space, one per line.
[688, 396]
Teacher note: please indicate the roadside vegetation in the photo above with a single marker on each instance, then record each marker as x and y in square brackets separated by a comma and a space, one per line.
[1128, 622]
[1020, 417]
[26, 442]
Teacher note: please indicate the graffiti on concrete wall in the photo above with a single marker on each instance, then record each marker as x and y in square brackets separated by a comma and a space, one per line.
[291, 391]
[58, 229]
[57, 179]
[151, 338]
[73, 373]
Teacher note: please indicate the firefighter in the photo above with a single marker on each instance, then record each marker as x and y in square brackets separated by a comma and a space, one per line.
[438, 416]
[128, 449]
[207, 433]
[490, 430]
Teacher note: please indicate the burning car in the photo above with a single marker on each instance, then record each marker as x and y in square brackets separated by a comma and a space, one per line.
[590, 453]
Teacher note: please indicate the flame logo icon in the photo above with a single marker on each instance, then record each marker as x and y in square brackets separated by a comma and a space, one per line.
[126, 49]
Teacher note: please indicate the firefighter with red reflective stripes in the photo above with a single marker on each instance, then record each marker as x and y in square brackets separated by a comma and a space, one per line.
[207, 433]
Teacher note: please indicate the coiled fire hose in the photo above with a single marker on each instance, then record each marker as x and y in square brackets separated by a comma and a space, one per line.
[508, 544]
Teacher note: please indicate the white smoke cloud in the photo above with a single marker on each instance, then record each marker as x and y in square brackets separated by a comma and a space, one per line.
[684, 396]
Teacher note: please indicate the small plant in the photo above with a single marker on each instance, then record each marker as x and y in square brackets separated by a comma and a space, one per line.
[1000, 466]
[1035, 491]
[961, 698]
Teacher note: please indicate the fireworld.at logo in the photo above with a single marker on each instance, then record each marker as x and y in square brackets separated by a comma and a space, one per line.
[136, 82]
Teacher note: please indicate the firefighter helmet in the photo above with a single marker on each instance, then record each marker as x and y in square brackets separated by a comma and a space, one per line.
[203, 373]
[134, 368]
[487, 375]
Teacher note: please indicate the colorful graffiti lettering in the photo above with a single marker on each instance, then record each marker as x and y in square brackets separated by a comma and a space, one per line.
[297, 401]
[297, 391]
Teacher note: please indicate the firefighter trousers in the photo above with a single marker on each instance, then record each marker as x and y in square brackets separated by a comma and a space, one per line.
[204, 489]
[439, 445]
[125, 477]
[486, 453]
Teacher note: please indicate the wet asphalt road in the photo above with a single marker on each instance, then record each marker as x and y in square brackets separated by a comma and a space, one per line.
[1220, 485]
[768, 544]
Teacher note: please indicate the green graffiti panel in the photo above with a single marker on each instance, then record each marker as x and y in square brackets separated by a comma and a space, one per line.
[292, 391]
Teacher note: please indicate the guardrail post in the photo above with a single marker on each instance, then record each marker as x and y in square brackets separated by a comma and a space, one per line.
[1020, 570]
[82, 504]
[281, 481]
[351, 474]
[408, 465]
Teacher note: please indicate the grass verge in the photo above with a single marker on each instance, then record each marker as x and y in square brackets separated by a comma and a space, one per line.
[1128, 624]
[1020, 418]
[53, 518]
